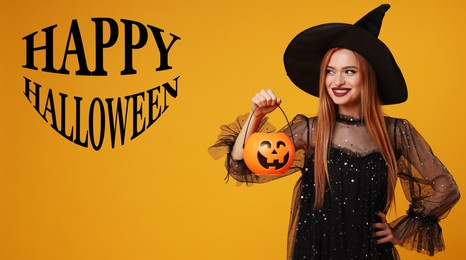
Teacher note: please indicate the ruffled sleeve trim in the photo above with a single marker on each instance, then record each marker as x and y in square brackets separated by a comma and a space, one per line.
[229, 133]
[420, 233]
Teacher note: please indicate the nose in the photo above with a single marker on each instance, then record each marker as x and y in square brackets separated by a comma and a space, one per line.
[339, 79]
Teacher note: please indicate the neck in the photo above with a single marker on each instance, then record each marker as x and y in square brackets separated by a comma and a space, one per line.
[353, 111]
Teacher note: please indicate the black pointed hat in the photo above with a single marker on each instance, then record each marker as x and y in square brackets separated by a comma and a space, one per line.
[305, 52]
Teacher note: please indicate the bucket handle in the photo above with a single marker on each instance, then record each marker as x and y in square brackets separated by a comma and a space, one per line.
[252, 114]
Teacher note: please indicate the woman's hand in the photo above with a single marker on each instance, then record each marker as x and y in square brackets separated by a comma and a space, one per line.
[384, 231]
[264, 102]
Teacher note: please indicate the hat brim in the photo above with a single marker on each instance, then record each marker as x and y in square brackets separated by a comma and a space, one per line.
[305, 52]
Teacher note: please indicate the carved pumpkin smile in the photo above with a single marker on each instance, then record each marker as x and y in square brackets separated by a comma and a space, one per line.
[276, 163]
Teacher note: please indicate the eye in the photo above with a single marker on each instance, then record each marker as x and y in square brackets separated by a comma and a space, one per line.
[266, 143]
[280, 144]
[329, 72]
[350, 72]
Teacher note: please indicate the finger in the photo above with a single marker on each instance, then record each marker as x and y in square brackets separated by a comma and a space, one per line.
[273, 97]
[382, 233]
[266, 97]
[270, 93]
[265, 101]
[279, 101]
[257, 105]
[276, 101]
[385, 239]
[382, 216]
[256, 101]
[380, 225]
[260, 99]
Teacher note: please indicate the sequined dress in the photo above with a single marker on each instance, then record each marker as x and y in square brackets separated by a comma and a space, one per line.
[343, 229]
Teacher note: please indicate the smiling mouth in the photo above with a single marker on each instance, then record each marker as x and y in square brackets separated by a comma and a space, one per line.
[340, 92]
[276, 163]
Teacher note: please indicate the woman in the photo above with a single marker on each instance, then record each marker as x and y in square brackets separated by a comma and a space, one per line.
[350, 155]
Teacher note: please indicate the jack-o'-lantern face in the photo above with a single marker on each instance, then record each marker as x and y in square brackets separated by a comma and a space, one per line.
[273, 154]
[269, 153]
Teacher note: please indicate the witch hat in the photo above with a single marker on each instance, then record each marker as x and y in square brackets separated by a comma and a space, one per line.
[305, 52]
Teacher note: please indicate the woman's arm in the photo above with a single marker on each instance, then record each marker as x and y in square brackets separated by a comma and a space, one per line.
[428, 186]
[263, 103]
[231, 139]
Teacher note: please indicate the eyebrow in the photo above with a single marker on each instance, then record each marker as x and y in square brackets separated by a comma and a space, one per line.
[346, 67]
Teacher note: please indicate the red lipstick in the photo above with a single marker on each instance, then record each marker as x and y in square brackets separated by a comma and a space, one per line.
[340, 92]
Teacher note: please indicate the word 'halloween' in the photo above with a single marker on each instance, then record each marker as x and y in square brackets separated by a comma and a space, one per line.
[100, 45]
[144, 108]
[88, 121]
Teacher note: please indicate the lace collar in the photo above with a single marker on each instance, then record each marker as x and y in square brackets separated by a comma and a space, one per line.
[349, 120]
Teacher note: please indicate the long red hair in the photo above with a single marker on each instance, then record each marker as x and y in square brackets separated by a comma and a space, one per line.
[371, 113]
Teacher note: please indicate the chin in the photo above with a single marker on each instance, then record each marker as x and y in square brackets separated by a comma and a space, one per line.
[340, 101]
[348, 103]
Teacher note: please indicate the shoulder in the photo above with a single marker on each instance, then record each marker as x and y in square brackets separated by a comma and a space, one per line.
[394, 123]
[389, 119]
[303, 124]
[303, 119]
[307, 118]
[304, 128]
[401, 132]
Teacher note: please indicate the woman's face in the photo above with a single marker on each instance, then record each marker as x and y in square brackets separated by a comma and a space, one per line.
[344, 82]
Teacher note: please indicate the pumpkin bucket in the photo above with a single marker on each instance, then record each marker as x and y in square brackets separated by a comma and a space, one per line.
[269, 153]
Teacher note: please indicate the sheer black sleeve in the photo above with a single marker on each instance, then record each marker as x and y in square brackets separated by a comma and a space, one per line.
[237, 168]
[428, 186]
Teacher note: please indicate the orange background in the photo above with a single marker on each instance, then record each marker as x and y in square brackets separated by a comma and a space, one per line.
[161, 196]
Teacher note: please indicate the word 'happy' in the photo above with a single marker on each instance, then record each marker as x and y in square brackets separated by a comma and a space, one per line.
[111, 113]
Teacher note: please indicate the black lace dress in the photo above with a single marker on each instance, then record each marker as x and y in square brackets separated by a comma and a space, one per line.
[343, 229]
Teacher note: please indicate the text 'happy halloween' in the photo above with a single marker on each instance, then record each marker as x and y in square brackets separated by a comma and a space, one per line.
[91, 118]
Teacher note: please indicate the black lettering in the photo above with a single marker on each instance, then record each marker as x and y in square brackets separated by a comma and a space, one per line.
[172, 91]
[48, 47]
[77, 139]
[153, 102]
[100, 44]
[79, 51]
[129, 46]
[162, 48]
[36, 94]
[137, 111]
[50, 107]
[98, 145]
[63, 118]
[117, 118]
